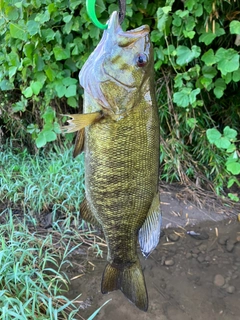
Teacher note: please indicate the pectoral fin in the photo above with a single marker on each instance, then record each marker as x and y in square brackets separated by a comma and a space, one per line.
[80, 121]
[79, 143]
[87, 215]
[149, 233]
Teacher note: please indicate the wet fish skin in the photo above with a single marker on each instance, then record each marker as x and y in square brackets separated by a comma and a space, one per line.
[122, 154]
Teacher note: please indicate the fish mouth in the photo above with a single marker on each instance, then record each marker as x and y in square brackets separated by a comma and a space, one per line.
[114, 29]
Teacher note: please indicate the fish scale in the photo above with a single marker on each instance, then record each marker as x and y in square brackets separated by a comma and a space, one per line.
[121, 144]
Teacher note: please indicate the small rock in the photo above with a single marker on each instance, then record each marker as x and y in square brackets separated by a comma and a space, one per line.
[223, 239]
[169, 262]
[230, 289]
[235, 276]
[202, 235]
[238, 238]
[230, 246]
[219, 281]
[202, 248]
[200, 258]
[194, 255]
[207, 258]
[173, 237]
[195, 250]
[188, 255]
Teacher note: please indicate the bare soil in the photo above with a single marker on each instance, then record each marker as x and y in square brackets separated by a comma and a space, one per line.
[188, 276]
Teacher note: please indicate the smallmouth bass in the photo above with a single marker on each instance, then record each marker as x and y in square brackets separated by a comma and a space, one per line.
[120, 133]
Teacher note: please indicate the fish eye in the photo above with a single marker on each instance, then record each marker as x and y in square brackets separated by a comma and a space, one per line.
[141, 60]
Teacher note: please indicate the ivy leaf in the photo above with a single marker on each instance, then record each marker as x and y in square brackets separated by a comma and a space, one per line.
[213, 135]
[228, 60]
[36, 87]
[234, 167]
[235, 27]
[185, 55]
[60, 53]
[209, 72]
[229, 133]
[49, 115]
[236, 75]
[27, 92]
[17, 31]
[222, 143]
[50, 135]
[32, 27]
[193, 94]
[209, 57]
[72, 102]
[41, 140]
[71, 91]
[182, 98]
[220, 86]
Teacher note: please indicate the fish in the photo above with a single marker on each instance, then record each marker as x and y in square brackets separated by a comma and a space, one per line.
[120, 135]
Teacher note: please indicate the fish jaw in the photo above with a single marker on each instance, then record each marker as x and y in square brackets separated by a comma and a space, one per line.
[111, 74]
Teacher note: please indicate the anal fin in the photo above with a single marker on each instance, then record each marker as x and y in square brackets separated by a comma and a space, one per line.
[149, 233]
[87, 215]
[79, 143]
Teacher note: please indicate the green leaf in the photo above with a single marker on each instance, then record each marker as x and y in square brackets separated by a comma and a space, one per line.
[60, 53]
[228, 60]
[71, 91]
[213, 135]
[233, 197]
[6, 85]
[234, 167]
[192, 122]
[50, 135]
[72, 102]
[234, 27]
[222, 143]
[182, 98]
[236, 75]
[48, 34]
[162, 17]
[185, 55]
[193, 94]
[33, 27]
[220, 86]
[209, 72]
[229, 133]
[17, 31]
[49, 115]
[209, 57]
[36, 87]
[41, 140]
[28, 92]
[61, 90]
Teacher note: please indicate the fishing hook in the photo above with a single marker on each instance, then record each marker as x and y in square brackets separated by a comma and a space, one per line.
[92, 14]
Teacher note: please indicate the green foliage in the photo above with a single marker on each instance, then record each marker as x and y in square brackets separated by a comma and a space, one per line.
[226, 141]
[42, 182]
[32, 284]
[43, 45]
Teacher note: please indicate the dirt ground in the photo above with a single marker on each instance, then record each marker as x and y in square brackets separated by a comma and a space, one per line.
[192, 275]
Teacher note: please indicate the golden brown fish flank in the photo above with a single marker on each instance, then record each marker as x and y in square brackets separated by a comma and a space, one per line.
[121, 154]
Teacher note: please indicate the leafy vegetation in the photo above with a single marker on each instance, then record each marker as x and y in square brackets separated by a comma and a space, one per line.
[43, 44]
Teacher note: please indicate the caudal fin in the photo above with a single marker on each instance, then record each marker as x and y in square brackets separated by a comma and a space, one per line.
[130, 281]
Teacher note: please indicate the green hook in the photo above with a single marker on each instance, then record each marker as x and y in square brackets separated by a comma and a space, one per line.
[91, 12]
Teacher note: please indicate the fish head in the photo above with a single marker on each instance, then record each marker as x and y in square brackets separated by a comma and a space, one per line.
[117, 73]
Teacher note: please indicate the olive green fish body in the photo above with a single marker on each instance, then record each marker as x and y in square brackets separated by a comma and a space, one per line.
[121, 153]
[121, 176]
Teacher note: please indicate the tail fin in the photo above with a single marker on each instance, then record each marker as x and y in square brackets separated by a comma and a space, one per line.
[130, 281]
